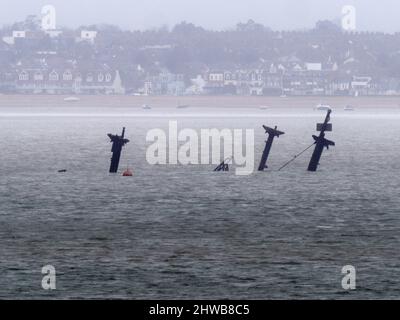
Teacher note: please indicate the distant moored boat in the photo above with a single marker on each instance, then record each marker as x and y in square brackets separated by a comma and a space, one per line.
[72, 99]
[348, 108]
[146, 107]
[323, 107]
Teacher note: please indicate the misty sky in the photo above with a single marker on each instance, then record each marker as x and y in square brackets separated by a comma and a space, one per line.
[374, 15]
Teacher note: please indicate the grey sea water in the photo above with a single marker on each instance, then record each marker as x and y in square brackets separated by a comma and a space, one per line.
[183, 232]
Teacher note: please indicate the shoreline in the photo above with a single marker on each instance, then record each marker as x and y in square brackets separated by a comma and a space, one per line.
[97, 101]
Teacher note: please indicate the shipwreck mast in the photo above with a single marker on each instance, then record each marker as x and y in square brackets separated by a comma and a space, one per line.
[117, 143]
[272, 133]
[321, 142]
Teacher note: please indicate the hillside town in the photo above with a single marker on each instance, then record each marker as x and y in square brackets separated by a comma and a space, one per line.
[249, 59]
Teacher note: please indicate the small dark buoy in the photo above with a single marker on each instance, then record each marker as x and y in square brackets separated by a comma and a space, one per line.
[127, 173]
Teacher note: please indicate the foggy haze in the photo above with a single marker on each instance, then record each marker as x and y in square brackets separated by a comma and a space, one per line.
[372, 15]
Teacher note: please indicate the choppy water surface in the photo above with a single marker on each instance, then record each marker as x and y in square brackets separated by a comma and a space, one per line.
[187, 232]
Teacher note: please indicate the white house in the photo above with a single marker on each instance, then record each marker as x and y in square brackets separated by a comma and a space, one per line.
[15, 35]
[216, 77]
[361, 82]
[88, 35]
[19, 34]
[38, 76]
[67, 75]
[314, 66]
[69, 81]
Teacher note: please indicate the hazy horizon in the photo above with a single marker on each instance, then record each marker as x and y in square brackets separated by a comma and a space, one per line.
[218, 15]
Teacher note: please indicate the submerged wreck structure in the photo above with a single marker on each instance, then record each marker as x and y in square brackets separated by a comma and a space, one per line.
[272, 133]
[223, 166]
[321, 142]
[117, 143]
